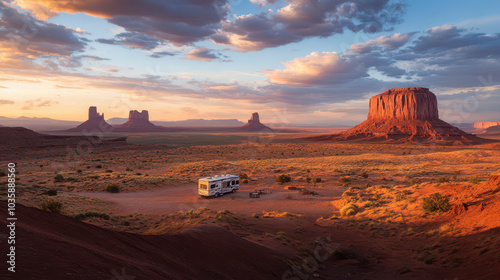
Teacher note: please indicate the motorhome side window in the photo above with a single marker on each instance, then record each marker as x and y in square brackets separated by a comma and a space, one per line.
[203, 186]
[212, 186]
[237, 182]
[232, 182]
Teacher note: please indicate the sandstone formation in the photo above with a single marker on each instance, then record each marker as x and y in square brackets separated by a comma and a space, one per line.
[254, 124]
[95, 124]
[413, 103]
[139, 122]
[406, 114]
[485, 125]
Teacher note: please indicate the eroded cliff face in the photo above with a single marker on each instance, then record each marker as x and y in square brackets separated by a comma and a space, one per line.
[412, 103]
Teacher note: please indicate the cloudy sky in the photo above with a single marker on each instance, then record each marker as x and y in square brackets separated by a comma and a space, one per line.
[295, 61]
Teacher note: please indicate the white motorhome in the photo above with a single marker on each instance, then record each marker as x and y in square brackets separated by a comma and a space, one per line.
[218, 185]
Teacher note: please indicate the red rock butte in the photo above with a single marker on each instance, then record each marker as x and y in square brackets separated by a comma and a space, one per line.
[139, 122]
[406, 115]
[95, 123]
[254, 124]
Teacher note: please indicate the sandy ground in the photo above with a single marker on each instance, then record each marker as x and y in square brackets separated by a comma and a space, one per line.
[185, 197]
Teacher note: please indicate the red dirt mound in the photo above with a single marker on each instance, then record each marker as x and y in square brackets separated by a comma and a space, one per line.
[16, 137]
[493, 130]
[53, 246]
[476, 208]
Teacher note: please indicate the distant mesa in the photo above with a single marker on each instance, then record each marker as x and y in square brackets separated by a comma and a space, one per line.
[139, 122]
[485, 125]
[95, 123]
[406, 115]
[254, 124]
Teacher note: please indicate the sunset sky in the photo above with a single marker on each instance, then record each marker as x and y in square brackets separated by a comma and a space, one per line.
[293, 61]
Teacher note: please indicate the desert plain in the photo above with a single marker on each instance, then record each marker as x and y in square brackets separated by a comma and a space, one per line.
[146, 186]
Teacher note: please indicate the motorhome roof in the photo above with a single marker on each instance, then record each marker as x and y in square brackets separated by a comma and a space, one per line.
[217, 177]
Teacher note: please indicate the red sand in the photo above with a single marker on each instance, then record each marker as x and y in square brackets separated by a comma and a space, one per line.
[52, 246]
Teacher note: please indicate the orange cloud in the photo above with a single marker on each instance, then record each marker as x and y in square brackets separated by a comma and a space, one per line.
[316, 68]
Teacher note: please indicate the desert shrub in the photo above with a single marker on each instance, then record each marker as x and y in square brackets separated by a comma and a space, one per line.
[92, 214]
[112, 188]
[317, 180]
[473, 180]
[243, 176]
[369, 204]
[98, 166]
[308, 179]
[79, 171]
[244, 181]
[125, 223]
[399, 197]
[454, 178]
[344, 180]
[364, 175]
[349, 210]
[436, 202]
[109, 171]
[58, 178]
[443, 180]
[414, 181]
[224, 212]
[51, 193]
[52, 206]
[283, 178]
[348, 194]
[71, 179]
[3, 174]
